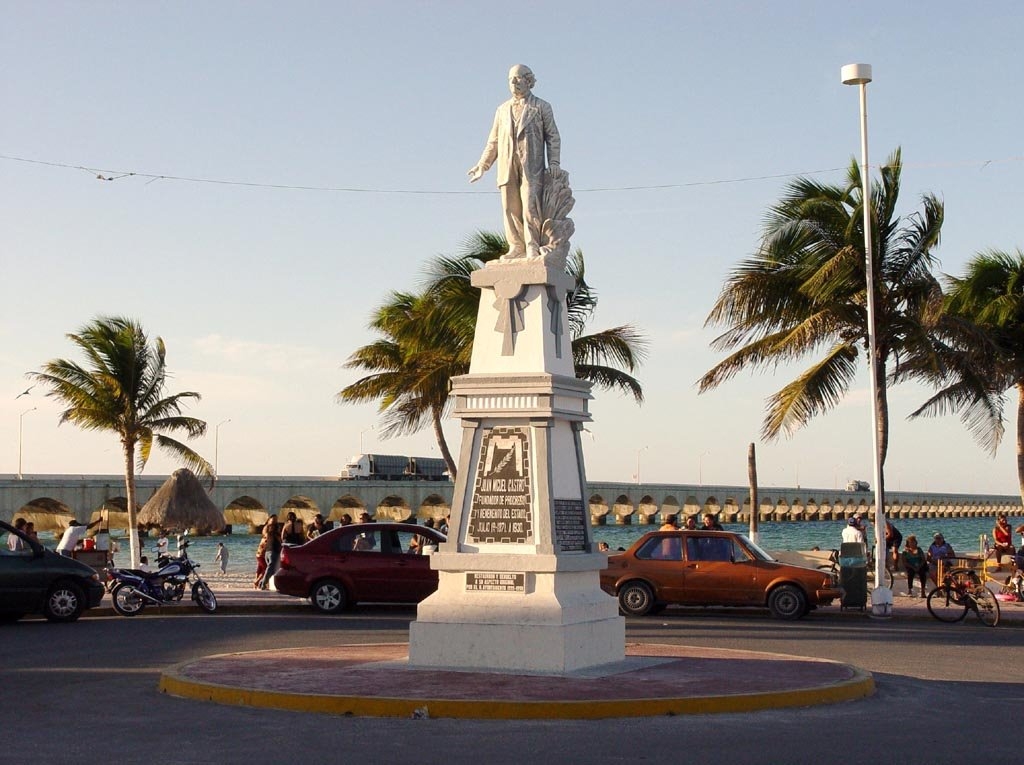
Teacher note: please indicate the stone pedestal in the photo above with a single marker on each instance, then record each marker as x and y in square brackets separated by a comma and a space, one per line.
[518, 578]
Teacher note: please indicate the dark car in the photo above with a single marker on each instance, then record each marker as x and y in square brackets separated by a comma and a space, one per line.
[36, 580]
[711, 568]
[362, 562]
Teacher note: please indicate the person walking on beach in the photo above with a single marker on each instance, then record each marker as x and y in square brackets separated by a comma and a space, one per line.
[222, 558]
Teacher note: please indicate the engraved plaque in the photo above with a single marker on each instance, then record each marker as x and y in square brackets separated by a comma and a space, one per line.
[570, 525]
[501, 510]
[494, 581]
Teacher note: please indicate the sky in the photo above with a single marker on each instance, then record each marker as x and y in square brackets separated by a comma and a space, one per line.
[681, 123]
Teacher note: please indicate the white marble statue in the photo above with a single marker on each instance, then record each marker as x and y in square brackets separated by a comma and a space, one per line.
[535, 193]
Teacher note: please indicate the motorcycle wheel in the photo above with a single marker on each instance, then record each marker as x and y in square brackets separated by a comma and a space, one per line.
[126, 600]
[203, 595]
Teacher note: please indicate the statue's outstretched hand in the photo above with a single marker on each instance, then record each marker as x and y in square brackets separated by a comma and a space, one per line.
[475, 173]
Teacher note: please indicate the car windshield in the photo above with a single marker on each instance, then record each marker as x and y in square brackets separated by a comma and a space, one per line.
[754, 549]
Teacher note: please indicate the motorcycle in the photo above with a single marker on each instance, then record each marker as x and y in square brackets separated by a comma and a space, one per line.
[135, 589]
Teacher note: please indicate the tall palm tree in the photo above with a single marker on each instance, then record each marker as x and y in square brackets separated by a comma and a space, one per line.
[121, 388]
[804, 292]
[428, 339]
[982, 351]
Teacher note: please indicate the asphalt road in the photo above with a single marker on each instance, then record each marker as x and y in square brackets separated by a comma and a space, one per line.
[87, 692]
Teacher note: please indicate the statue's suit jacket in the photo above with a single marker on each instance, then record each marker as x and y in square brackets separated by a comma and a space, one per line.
[536, 130]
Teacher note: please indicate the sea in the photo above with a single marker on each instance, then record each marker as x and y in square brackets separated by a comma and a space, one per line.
[963, 533]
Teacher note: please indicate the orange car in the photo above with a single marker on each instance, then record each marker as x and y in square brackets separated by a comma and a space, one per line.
[711, 568]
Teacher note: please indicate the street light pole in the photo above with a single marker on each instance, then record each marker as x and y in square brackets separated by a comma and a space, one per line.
[638, 452]
[860, 75]
[21, 422]
[216, 445]
[364, 430]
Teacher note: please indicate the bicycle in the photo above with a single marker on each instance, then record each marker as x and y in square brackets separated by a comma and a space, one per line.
[961, 591]
[1012, 586]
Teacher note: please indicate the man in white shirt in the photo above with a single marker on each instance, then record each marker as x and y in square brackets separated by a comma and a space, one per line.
[854, 531]
[73, 534]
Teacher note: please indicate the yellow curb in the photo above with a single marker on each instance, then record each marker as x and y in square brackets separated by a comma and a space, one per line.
[174, 683]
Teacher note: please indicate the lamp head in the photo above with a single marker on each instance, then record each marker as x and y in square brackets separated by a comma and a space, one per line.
[856, 74]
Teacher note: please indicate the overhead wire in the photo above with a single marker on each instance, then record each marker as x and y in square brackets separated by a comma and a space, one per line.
[105, 174]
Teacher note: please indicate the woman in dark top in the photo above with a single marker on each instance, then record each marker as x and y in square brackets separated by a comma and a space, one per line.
[293, 533]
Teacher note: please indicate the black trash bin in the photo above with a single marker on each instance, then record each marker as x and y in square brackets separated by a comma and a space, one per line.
[853, 574]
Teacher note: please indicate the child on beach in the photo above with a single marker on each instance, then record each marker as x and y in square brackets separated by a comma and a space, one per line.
[222, 558]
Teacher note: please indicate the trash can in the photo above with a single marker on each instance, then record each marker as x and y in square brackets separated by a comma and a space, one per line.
[853, 575]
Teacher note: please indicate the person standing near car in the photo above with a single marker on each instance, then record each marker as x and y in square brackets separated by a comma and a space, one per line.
[711, 523]
[292, 533]
[73, 534]
[272, 535]
[367, 540]
[14, 542]
[317, 527]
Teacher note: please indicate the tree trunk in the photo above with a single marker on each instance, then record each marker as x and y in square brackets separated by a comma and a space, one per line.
[442, 444]
[752, 478]
[129, 484]
[882, 407]
[1020, 438]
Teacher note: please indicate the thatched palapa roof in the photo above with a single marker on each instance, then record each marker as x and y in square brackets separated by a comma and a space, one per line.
[182, 503]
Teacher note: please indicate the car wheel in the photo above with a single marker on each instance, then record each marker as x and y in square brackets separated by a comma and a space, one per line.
[64, 603]
[636, 599]
[787, 602]
[329, 596]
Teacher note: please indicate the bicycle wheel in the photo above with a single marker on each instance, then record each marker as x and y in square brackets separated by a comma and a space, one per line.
[986, 606]
[964, 577]
[944, 605]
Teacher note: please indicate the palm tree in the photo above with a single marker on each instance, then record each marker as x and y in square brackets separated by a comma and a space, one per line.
[428, 339]
[804, 292]
[121, 388]
[982, 350]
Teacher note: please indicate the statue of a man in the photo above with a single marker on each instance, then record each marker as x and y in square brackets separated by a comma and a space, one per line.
[524, 128]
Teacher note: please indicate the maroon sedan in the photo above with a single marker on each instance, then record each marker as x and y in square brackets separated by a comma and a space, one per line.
[364, 562]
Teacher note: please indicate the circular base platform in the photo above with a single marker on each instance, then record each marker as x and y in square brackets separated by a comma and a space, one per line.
[376, 681]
